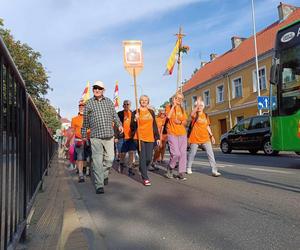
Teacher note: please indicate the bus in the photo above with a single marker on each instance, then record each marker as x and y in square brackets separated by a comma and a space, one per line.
[285, 90]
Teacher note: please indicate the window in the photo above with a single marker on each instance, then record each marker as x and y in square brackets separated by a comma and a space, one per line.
[206, 97]
[262, 79]
[194, 99]
[185, 105]
[220, 93]
[260, 122]
[237, 88]
[239, 118]
[242, 125]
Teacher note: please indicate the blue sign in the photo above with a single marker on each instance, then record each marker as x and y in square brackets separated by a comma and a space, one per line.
[263, 102]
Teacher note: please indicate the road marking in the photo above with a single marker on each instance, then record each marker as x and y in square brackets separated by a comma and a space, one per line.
[206, 164]
[270, 170]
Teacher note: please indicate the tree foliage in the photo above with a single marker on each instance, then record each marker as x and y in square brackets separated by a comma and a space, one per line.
[34, 75]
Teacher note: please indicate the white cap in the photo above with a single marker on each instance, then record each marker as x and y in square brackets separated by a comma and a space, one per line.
[99, 84]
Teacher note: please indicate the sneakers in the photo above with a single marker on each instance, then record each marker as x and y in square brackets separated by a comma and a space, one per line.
[189, 171]
[80, 179]
[100, 190]
[146, 183]
[181, 177]
[121, 168]
[169, 173]
[216, 174]
[130, 172]
[105, 181]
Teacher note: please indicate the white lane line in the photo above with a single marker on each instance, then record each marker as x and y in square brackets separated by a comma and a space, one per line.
[206, 164]
[270, 170]
[239, 166]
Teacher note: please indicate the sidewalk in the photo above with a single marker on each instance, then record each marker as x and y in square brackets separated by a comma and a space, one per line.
[59, 218]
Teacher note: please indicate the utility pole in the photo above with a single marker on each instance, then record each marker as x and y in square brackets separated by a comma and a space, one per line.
[179, 35]
[255, 48]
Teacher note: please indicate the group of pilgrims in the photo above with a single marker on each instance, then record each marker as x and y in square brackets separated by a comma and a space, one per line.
[139, 133]
[149, 135]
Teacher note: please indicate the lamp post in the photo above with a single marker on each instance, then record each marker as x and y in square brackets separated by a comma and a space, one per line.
[255, 48]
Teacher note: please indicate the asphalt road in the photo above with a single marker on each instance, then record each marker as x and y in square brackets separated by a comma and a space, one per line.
[255, 204]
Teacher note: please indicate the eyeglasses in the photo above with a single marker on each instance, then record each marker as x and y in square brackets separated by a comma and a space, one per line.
[126, 104]
[98, 88]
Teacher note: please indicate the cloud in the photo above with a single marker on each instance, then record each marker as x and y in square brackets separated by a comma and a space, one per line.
[81, 41]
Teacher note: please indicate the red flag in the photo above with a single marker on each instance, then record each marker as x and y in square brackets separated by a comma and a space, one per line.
[116, 97]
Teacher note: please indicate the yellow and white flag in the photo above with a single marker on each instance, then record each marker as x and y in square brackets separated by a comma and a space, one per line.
[86, 93]
[172, 59]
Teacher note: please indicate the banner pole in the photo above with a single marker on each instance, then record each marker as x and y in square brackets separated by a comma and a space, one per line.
[136, 106]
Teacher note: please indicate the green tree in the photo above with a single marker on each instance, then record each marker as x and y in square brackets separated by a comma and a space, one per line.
[34, 75]
[49, 115]
[164, 104]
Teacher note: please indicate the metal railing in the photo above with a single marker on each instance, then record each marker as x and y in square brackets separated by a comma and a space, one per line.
[26, 148]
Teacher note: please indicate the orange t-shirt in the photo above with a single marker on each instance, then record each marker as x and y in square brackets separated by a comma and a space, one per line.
[126, 124]
[145, 126]
[199, 132]
[172, 127]
[160, 122]
[76, 124]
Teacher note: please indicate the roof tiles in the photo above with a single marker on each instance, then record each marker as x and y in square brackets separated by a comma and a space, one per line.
[243, 53]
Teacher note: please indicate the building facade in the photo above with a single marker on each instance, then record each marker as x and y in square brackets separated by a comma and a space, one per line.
[228, 85]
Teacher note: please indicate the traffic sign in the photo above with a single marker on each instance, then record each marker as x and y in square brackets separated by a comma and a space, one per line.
[263, 102]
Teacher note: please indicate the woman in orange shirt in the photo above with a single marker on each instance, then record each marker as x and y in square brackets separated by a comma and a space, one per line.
[144, 124]
[201, 134]
[177, 139]
[159, 152]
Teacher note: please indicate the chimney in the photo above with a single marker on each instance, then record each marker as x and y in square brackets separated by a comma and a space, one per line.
[236, 41]
[284, 10]
[202, 64]
[213, 56]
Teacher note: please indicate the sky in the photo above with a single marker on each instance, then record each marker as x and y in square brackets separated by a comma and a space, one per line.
[81, 41]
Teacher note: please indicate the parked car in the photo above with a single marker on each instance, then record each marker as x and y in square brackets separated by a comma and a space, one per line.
[251, 134]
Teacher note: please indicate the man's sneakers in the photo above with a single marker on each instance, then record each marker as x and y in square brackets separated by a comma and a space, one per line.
[130, 172]
[121, 168]
[80, 179]
[189, 171]
[105, 181]
[146, 183]
[100, 190]
[216, 174]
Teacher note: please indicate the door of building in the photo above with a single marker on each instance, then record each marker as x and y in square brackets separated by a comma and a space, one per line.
[223, 126]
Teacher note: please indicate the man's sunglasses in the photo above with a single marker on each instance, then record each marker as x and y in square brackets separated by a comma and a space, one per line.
[99, 88]
[126, 104]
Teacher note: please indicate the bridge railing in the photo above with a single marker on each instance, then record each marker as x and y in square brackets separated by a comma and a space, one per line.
[26, 148]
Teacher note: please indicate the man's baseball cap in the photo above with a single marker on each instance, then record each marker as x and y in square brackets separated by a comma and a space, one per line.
[99, 84]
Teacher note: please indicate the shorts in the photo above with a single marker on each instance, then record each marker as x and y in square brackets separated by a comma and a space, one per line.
[119, 144]
[128, 145]
[79, 153]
